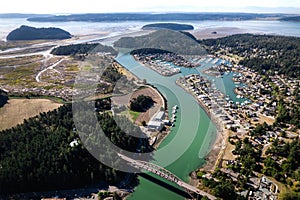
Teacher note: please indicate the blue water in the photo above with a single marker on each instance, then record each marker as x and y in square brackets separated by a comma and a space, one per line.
[223, 84]
[184, 149]
[80, 28]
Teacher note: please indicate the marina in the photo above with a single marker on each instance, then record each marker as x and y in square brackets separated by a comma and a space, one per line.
[193, 131]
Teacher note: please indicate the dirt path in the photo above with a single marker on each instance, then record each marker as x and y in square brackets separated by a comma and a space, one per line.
[37, 78]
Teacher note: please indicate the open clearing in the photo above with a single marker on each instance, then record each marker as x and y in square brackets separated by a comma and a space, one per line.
[158, 103]
[143, 116]
[16, 110]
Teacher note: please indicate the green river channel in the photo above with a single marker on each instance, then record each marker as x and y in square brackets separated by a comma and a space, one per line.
[184, 149]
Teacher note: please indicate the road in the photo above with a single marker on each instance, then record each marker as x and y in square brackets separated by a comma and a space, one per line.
[37, 78]
[160, 171]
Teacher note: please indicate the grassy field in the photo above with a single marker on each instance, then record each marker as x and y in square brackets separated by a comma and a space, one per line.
[17, 110]
[20, 71]
[14, 44]
[134, 115]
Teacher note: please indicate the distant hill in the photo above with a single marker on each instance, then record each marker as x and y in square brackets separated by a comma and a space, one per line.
[296, 19]
[32, 33]
[99, 17]
[171, 26]
[20, 15]
[168, 40]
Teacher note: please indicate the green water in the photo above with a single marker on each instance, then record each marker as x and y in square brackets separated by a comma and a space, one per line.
[187, 144]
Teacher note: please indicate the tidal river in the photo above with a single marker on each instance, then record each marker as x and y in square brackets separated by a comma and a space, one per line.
[184, 149]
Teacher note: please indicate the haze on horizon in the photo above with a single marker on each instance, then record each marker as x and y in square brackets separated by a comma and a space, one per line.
[100, 6]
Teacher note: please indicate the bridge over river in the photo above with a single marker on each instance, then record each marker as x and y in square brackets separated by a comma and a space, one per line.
[162, 172]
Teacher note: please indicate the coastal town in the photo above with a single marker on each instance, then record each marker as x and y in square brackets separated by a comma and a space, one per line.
[238, 120]
[228, 119]
[259, 98]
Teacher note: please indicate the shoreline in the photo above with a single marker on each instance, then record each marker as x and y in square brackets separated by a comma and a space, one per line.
[217, 147]
[164, 134]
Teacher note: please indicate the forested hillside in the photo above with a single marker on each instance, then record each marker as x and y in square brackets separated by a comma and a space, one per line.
[39, 154]
[263, 53]
[168, 40]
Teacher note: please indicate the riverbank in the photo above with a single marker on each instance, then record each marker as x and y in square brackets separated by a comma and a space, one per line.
[164, 104]
[215, 153]
[218, 144]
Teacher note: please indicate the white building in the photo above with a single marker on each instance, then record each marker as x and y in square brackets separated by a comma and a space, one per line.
[159, 116]
[155, 125]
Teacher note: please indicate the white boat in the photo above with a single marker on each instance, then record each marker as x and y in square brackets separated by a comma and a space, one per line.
[173, 120]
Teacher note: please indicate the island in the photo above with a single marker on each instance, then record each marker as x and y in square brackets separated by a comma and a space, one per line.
[171, 26]
[32, 33]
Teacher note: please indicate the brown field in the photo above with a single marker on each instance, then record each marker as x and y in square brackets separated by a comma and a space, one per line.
[17, 110]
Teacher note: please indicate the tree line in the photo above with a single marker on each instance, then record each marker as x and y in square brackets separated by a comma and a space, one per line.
[37, 155]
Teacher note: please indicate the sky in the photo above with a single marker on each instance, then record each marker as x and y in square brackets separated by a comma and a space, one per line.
[100, 6]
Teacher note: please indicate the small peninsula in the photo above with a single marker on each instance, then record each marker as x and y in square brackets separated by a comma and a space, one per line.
[292, 19]
[171, 26]
[32, 33]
